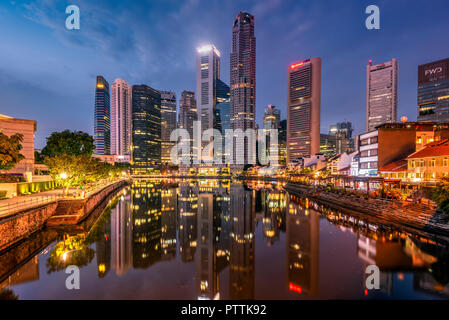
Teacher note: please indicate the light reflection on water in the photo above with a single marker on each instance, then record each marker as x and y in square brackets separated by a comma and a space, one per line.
[212, 239]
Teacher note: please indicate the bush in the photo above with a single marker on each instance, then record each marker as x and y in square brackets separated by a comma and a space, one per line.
[3, 194]
[441, 196]
[36, 187]
[11, 178]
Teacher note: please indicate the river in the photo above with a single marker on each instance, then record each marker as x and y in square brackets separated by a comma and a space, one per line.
[217, 239]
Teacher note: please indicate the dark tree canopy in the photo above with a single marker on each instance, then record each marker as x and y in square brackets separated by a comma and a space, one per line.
[10, 150]
[72, 143]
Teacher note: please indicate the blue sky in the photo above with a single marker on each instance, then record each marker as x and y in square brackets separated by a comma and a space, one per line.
[47, 73]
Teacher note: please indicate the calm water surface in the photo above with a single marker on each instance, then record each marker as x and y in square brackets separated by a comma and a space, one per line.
[211, 239]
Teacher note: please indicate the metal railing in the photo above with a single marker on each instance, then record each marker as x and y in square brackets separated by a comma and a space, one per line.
[26, 202]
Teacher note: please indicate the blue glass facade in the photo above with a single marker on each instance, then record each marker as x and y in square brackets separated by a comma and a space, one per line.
[102, 120]
[222, 108]
[146, 129]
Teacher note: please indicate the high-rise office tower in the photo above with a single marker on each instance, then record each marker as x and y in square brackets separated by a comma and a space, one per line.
[222, 121]
[222, 108]
[271, 117]
[207, 74]
[433, 91]
[121, 111]
[303, 109]
[187, 115]
[168, 123]
[146, 129]
[243, 80]
[102, 120]
[342, 133]
[381, 93]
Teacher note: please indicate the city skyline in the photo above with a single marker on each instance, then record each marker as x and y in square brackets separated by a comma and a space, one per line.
[95, 40]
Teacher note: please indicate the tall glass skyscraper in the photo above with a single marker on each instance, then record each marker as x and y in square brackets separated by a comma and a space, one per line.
[168, 123]
[271, 117]
[303, 109]
[222, 107]
[187, 115]
[381, 94]
[102, 117]
[243, 80]
[121, 106]
[207, 74]
[433, 91]
[146, 129]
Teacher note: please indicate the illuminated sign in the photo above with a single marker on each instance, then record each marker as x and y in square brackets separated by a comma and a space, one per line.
[434, 71]
[299, 64]
[100, 85]
[294, 287]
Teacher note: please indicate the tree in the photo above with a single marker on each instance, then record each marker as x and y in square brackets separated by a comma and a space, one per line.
[72, 143]
[10, 150]
[441, 195]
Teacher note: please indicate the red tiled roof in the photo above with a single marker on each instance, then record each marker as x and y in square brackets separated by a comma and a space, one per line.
[433, 149]
[396, 166]
[344, 169]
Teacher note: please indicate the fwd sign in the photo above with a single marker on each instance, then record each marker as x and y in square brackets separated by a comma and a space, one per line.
[433, 71]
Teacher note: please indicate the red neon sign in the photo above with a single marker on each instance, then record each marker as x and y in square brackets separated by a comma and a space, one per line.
[294, 287]
[296, 65]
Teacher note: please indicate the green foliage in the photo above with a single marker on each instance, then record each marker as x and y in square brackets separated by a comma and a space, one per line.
[11, 178]
[38, 157]
[70, 143]
[10, 150]
[80, 169]
[3, 194]
[306, 171]
[441, 195]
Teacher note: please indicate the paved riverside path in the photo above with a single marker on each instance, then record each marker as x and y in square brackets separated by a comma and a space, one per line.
[12, 205]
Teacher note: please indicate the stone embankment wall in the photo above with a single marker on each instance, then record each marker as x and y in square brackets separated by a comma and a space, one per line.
[22, 224]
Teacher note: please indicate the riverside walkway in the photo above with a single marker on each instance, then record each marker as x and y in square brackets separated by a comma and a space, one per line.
[20, 203]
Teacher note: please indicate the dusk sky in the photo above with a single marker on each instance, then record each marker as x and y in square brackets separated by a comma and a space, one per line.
[47, 73]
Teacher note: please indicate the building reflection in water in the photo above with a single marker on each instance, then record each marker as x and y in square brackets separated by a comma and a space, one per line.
[188, 228]
[168, 222]
[274, 208]
[302, 241]
[147, 233]
[242, 243]
[122, 236]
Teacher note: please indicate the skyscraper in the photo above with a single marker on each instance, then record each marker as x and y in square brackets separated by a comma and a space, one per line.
[102, 120]
[381, 93]
[271, 117]
[433, 91]
[121, 111]
[168, 123]
[146, 129]
[222, 120]
[303, 109]
[243, 79]
[207, 74]
[187, 115]
[222, 108]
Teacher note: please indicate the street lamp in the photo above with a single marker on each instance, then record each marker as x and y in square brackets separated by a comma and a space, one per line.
[63, 176]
